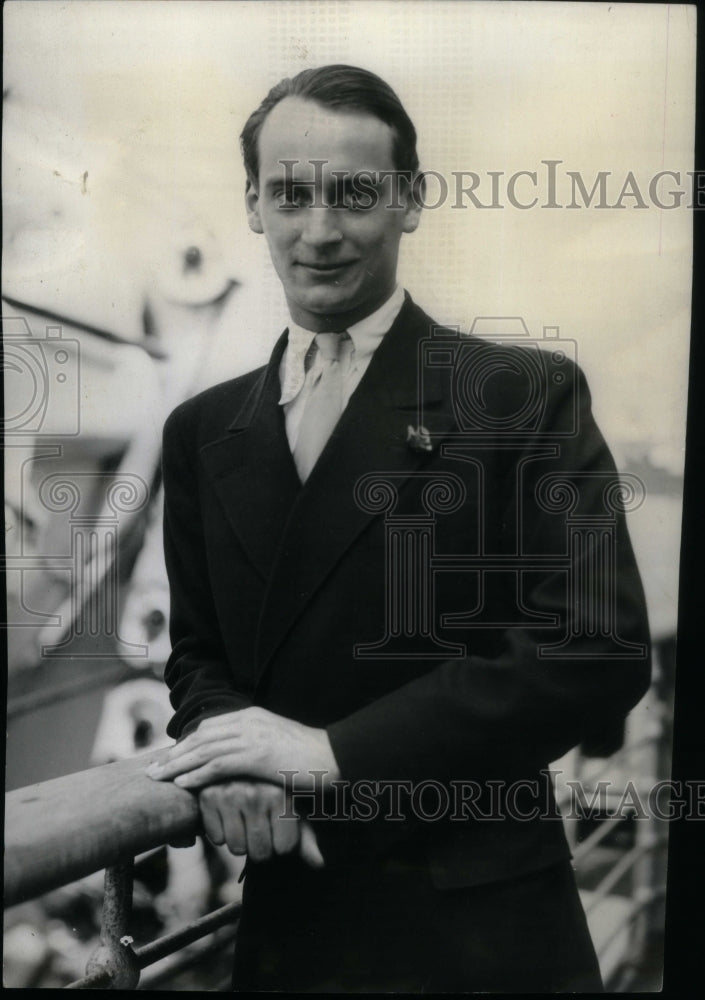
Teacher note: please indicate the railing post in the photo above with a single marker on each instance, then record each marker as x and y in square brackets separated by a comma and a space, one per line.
[115, 957]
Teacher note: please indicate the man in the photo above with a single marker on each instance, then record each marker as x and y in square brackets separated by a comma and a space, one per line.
[333, 684]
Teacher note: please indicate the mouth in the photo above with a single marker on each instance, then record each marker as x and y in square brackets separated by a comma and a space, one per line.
[325, 268]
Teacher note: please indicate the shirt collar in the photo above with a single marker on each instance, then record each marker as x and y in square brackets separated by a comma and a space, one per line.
[366, 336]
[368, 332]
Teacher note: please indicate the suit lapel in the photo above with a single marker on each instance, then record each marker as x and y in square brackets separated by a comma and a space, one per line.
[371, 437]
[252, 470]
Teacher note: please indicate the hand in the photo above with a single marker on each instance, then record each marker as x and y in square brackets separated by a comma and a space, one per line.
[251, 818]
[252, 743]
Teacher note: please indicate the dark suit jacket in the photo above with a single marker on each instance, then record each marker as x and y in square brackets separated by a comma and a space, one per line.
[276, 585]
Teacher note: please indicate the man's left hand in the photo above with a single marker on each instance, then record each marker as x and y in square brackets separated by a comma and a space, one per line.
[251, 742]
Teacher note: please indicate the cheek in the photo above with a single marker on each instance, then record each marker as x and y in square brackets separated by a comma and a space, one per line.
[280, 236]
[379, 238]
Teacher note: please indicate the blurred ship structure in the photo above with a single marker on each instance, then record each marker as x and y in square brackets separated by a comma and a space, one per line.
[112, 294]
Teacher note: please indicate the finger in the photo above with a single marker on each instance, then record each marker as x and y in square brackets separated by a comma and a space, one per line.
[240, 725]
[285, 827]
[235, 835]
[192, 759]
[212, 822]
[201, 738]
[258, 832]
[157, 763]
[308, 847]
[226, 768]
[211, 730]
[190, 755]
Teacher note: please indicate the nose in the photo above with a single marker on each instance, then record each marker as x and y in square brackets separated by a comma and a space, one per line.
[321, 227]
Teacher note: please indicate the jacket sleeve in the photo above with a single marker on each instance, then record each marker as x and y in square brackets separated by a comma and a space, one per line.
[478, 716]
[197, 671]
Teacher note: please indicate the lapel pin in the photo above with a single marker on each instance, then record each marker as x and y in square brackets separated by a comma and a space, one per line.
[418, 438]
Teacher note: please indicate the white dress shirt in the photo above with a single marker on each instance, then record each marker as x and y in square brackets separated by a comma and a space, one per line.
[301, 364]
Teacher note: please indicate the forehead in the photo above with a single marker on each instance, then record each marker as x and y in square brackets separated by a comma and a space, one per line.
[300, 129]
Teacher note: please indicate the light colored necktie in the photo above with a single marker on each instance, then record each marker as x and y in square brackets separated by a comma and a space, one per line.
[325, 402]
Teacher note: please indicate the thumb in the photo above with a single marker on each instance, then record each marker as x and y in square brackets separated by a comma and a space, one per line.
[308, 847]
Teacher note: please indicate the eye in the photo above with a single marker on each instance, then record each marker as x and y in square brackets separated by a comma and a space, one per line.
[292, 196]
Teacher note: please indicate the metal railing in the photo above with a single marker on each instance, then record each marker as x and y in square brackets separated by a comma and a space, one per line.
[62, 830]
[50, 841]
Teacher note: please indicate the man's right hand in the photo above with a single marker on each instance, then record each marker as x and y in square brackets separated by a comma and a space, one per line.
[250, 817]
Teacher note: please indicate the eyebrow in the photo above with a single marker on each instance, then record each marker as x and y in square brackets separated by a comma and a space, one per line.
[273, 181]
[344, 180]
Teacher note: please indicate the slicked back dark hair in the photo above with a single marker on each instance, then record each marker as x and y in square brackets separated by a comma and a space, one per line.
[342, 88]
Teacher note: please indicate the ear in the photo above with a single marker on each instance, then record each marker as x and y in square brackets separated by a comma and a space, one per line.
[414, 197]
[252, 207]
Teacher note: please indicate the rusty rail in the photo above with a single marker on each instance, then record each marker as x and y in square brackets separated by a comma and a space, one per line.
[50, 841]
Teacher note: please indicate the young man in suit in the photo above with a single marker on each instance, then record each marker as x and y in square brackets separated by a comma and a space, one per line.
[376, 556]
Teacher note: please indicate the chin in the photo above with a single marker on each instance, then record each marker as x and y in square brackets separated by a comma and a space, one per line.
[327, 302]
